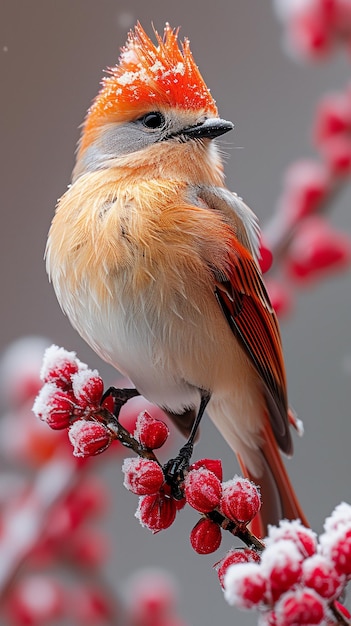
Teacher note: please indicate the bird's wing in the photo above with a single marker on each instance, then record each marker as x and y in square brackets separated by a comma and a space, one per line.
[242, 296]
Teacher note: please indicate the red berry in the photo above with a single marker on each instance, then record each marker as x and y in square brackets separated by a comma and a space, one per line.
[152, 433]
[55, 406]
[340, 550]
[281, 564]
[59, 365]
[156, 512]
[280, 296]
[320, 574]
[307, 185]
[316, 248]
[88, 547]
[88, 388]
[305, 539]
[342, 609]
[202, 490]
[91, 606]
[337, 155]
[151, 598]
[214, 465]
[142, 476]
[302, 607]
[265, 256]
[233, 558]
[89, 438]
[244, 585]
[35, 600]
[206, 536]
[309, 33]
[333, 117]
[241, 500]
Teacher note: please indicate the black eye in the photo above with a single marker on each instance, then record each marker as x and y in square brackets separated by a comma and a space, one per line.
[153, 120]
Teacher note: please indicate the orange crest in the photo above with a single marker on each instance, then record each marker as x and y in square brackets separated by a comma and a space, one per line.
[148, 76]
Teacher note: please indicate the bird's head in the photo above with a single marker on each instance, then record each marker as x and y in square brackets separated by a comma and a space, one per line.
[153, 96]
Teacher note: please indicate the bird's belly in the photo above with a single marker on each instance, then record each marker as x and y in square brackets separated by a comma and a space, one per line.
[170, 347]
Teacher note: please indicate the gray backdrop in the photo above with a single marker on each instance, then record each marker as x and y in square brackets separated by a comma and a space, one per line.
[51, 59]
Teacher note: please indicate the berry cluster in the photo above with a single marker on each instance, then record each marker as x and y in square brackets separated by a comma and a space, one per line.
[228, 505]
[314, 27]
[308, 247]
[297, 579]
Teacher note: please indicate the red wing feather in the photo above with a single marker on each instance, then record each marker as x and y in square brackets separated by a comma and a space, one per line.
[246, 305]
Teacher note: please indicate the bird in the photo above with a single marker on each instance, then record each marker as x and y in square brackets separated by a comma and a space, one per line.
[156, 262]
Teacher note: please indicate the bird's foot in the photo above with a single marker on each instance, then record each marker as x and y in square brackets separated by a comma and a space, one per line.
[120, 397]
[175, 469]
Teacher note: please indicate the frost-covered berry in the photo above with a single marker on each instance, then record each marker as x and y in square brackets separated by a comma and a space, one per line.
[336, 152]
[206, 536]
[59, 365]
[35, 599]
[152, 433]
[202, 490]
[156, 512]
[333, 117]
[307, 184]
[55, 406]
[341, 516]
[265, 256]
[280, 295]
[244, 585]
[142, 476]
[233, 557]
[89, 438]
[281, 564]
[241, 499]
[304, 538]
[317, 248]
[302, 607]
[214, 465]
[320, 574]
[337, 547]
[88, 388]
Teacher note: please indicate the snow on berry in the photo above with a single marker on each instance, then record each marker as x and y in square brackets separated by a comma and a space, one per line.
[341, 516]
[307, 184]
[302, 607]
[88, 388]
[244, 585]
[337, 547]
[233, 557]
[59, 365]
[156, 512]
[89, 438]
[202, 490]
[241, 499]
[206, 536]
[54, 406]
[304, 538]
[333, 117]
[151, 432]
[281, 564]
[320, 574]
[142, 476]
[317, 248]
[214, 465]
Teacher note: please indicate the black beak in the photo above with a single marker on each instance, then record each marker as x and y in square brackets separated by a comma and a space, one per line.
[209, 129]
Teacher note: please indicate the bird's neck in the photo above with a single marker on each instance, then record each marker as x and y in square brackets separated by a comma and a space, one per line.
[193, 162]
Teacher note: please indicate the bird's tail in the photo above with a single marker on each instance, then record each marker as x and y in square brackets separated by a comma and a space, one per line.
[279, 500]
